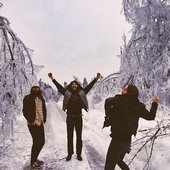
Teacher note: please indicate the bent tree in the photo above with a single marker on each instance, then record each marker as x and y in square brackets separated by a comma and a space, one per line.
[146, 55]
[16, 76]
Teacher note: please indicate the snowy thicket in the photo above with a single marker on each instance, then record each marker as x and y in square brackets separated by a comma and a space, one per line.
[146, 55]
[16, 77]
[104, 88]
[83, 84]
[48, 92]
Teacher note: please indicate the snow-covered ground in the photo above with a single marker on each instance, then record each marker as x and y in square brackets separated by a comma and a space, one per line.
[95, 144]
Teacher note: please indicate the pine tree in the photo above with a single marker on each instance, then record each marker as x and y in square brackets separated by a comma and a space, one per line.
[65, 84]
[85, 83]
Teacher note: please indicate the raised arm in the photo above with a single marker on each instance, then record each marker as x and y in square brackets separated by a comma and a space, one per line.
[150, 115]
[90, 85]
[60, 88]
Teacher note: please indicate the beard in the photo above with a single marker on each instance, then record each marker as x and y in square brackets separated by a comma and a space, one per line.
[36, 94]
[74, 88]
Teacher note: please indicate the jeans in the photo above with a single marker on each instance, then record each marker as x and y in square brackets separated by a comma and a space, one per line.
[37, 133]
[77, 123]
[116, 153]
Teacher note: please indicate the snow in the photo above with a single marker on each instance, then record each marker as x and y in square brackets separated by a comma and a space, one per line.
[55, 148]
[95, 144]
[145, 56]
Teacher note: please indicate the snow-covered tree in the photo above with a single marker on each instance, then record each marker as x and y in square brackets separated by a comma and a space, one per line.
[77, 79]
[85, 83]
[147, 54]
[145, 61]
[104, 88]
[48, 92]
[65, 84]
[16, 76]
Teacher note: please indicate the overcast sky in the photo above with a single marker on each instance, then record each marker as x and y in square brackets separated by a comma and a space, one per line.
[69, 37]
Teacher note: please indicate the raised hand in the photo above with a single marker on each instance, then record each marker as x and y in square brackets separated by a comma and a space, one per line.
[156, 99]
[50, 75]
[98, 76]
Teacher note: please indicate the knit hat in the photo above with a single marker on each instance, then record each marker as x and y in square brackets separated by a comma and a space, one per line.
[132, 90]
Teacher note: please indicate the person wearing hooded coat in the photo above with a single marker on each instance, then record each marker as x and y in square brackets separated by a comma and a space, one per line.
[122, 114]
[74, 101]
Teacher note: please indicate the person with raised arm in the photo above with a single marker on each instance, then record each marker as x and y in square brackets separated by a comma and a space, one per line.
[122, 115]
[74, 101]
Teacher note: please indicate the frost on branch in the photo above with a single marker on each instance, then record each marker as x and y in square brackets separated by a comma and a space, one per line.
[48, 92]
[146, 55]
[16, 77]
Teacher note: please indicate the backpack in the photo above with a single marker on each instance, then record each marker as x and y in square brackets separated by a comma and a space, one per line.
[121, 115]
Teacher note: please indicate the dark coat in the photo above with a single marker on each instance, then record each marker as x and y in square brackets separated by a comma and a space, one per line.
[124, 112]
[82, 95]
[29, 111]
[67, 93]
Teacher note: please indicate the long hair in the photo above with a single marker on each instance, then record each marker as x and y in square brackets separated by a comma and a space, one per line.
[133, 93]
[78, 86]
[132, 90]
[32, 92]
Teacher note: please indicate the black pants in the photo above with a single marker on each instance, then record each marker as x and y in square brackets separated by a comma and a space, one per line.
[37, 133]
[115, 155]
[74, 122]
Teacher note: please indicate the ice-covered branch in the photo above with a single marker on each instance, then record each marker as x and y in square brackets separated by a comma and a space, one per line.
[147, 141]
[16, 76]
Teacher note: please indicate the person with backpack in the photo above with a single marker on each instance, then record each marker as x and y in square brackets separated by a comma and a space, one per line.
[122, 114]
[74, 101]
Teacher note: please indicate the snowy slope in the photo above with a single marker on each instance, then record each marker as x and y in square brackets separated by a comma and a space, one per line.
[95, 144]
[55, 148]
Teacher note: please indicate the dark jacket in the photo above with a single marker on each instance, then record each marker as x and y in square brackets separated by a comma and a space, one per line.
[124, 114]
[29, 111]
[67, 94]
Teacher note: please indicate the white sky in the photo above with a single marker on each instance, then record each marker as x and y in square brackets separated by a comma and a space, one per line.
[69, 37]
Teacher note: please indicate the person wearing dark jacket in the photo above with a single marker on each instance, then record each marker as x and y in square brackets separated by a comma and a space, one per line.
[34, 110]
[74, 101]
[122, 114]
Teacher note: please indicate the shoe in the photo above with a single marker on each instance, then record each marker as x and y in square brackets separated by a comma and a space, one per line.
[68, 158]
[79, 157]
[40, 162]
[35, 165]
